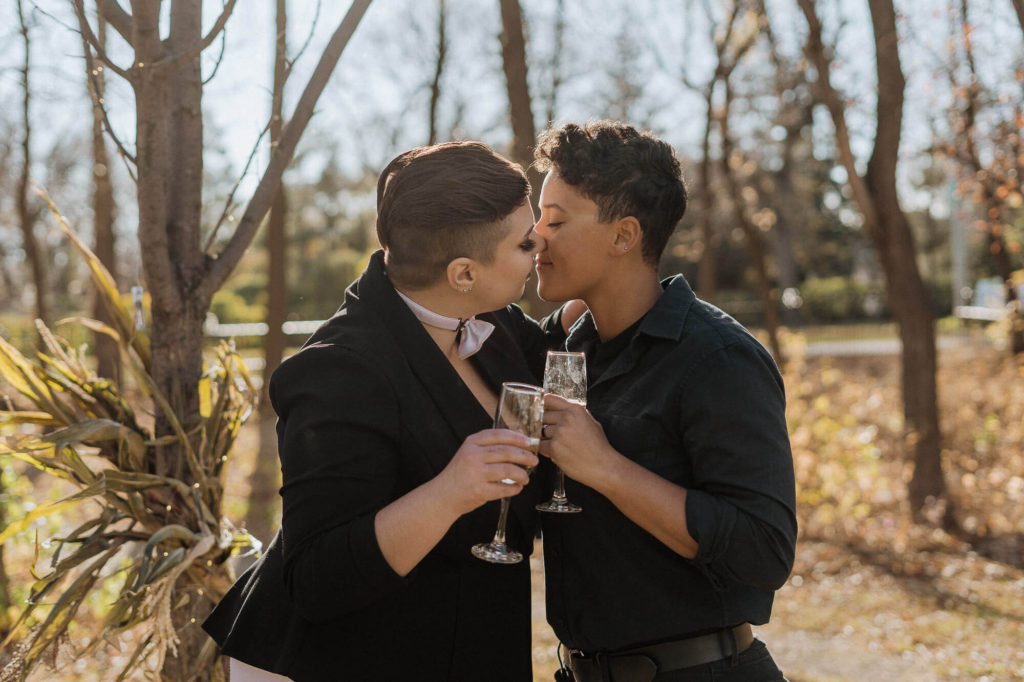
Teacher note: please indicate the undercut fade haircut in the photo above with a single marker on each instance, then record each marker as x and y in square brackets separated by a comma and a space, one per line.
[442, 202]
[625, 171]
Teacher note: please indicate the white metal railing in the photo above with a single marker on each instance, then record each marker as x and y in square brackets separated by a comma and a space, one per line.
[213, 327]
[980, 312]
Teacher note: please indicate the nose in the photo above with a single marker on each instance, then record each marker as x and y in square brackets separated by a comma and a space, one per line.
[541, 229]
[540, 243]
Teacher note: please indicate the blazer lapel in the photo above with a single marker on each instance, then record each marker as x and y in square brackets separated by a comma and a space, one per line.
[455, 403]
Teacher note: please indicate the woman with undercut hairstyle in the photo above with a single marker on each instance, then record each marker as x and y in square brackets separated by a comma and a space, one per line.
[391, 471]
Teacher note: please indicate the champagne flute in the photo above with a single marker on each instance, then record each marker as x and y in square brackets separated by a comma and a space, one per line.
[565, 374]
[520, 408]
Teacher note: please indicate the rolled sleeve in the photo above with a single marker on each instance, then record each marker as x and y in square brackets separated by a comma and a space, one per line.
[740, 507]
[336, 437]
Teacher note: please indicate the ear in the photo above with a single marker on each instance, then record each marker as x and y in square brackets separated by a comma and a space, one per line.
[628, 236]
[461, 274]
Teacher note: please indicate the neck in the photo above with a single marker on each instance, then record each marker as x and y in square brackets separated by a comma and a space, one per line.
[623, 298]
[443, 300]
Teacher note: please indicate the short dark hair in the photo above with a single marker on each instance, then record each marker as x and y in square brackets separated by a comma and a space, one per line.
[625, 171]
[441, 202]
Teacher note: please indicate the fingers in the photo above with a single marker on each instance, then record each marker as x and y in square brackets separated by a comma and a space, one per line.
[556, 403]
[498, 454]
[490, 437]
[504, 473]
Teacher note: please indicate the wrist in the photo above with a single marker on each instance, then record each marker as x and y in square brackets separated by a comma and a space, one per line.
[444, 500]
[611, 472]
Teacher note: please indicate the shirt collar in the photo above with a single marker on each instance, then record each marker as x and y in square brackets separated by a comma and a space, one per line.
[665, 319]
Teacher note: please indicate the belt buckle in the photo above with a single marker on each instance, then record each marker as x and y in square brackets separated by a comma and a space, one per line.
[633, 667]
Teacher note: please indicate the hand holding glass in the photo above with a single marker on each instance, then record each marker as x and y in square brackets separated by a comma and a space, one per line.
[565, 374]
[520, 408]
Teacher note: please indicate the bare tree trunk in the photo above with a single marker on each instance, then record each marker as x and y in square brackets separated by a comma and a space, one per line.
[27, 217]
[181, 274]
[435, 84]
[908, 298]
[107, 357]
[784, 191]
[707, 272]
[264, 481]
[1018, 5]
[755, 247]
[556, 62]
[524, 133]
[727, 57]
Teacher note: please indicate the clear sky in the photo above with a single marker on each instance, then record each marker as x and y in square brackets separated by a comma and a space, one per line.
[376, 103]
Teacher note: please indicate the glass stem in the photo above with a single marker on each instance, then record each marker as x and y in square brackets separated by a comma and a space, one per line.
[559, 494]
[499, 534]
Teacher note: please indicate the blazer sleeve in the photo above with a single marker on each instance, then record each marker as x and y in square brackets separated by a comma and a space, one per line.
[537, 338]
[337, 430]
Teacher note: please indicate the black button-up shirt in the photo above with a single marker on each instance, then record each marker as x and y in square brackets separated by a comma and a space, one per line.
[689, 394]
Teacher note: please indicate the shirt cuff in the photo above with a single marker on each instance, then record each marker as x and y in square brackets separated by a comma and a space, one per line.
[710, 523]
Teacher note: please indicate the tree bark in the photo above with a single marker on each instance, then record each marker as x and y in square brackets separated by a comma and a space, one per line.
[794, 118]
[1018, 5]
[556, 62]
[265, 478]
[27, 217]
[439, 64]
[890, 232]
[182, 278]
[107, 357]
[755, 247]
[524, 132]
[707, 271]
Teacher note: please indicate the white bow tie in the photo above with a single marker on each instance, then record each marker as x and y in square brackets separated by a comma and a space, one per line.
[470, 333]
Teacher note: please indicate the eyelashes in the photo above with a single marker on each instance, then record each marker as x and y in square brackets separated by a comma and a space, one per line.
[528, 245]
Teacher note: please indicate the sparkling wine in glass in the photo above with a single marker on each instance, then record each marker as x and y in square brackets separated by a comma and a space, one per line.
[520, 408]
[565, 374]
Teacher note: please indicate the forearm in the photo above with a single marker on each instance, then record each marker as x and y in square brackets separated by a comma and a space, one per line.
[648, 500]
[411, 526]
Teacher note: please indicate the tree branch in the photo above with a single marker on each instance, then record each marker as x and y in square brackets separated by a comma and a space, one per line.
[117, 17]
[305, 45]
[220, 58]
[1019, 6]
[91, 39]
[231, 195]
[92, 69]
[829, 96]
[221, 267]
[196, 49]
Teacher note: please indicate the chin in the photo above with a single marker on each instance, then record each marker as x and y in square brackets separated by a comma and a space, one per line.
[549, 293]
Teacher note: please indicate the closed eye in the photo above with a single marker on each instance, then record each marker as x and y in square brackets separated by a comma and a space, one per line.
[528, 245]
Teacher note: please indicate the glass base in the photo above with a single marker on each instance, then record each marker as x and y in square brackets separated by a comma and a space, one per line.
[557, 506]
[496, 553]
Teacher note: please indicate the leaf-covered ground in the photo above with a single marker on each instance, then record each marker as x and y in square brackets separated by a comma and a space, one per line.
[872, 597]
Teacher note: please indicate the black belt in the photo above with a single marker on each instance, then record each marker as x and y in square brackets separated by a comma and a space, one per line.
[642, 664]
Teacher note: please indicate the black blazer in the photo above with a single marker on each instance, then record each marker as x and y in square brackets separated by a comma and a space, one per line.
[369, 409]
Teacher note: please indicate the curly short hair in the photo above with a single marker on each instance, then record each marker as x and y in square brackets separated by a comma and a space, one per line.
[625, 171]
[442, 202]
